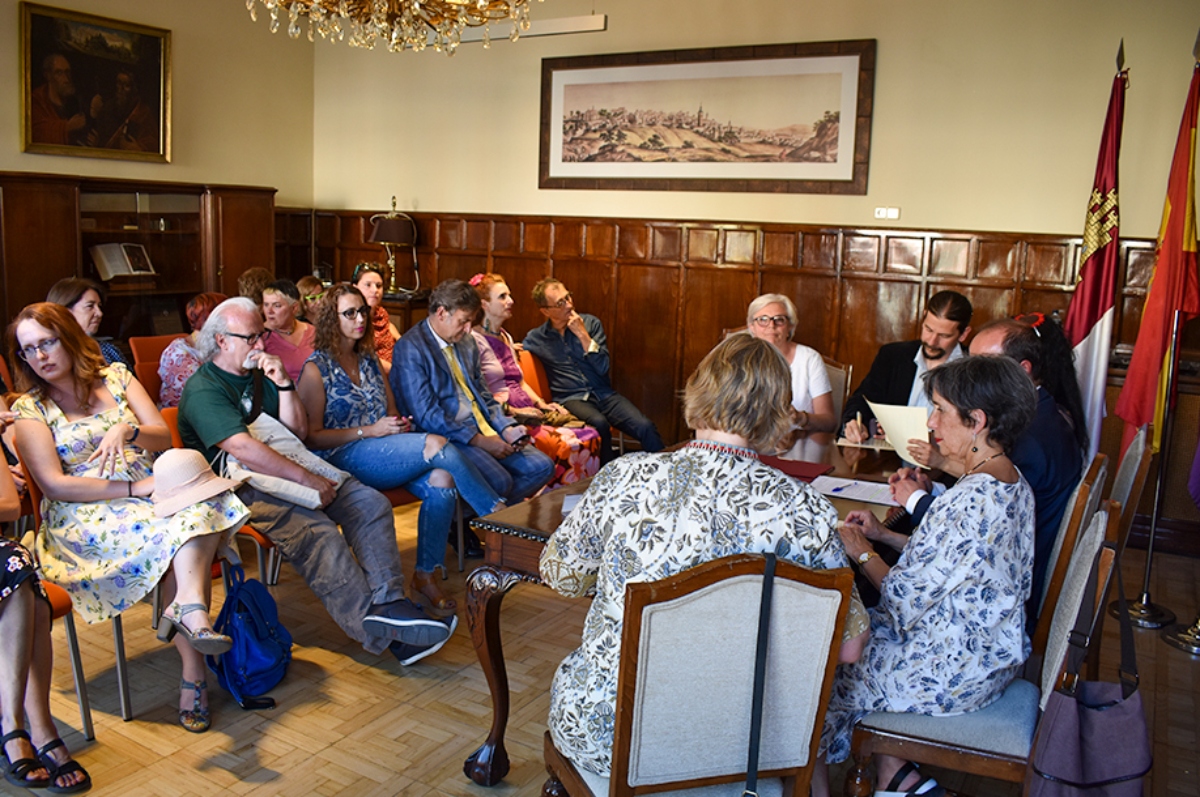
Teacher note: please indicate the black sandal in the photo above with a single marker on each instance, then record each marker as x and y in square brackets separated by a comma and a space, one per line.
[16, 771]
[925, 785]
[57, 770]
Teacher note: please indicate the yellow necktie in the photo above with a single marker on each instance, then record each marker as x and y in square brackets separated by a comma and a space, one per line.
[481, 420]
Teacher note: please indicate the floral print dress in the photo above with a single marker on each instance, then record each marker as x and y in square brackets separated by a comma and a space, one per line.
[109, 554]
[650, 516]
[948, 634]
[18, 567]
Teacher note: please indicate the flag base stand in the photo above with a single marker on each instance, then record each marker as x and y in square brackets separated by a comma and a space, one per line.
[1184, 638]
[1144, 613]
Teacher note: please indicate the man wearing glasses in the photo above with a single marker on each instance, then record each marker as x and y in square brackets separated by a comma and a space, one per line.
[356, 572]
[895, 375]
[573, 349]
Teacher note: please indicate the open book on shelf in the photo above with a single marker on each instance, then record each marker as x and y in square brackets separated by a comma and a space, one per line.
[115, 260]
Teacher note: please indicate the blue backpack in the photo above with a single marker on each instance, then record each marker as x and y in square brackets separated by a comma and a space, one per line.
[262, 647]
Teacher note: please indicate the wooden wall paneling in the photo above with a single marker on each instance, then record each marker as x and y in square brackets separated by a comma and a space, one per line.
[506, 236]
[537, 236]
[1039, 300]
[904, 255]
[592, 284]
[460, 266]
[741, 247]
[987, 303]
[568, 239]
[950, 257]
[521, 274]
[874, 312]
[780, 249]
[644, 344]
[600, 240]
[39, 238]
[667, 243]
[452, 233]
[703, 245]
[1049, 263]
[241, 225]
[998, 256]
[478, 235]
[819, 249]
[634, 242]
[714, 299]
[815, 297]
[861, 252]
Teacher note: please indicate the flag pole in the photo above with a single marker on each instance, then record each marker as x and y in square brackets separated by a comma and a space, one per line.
[1143, 612]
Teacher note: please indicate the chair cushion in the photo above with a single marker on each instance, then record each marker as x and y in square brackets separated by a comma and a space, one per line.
[766, 788]
[1005, 727]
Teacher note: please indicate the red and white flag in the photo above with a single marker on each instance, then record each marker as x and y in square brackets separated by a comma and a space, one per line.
[1089, 321]
[1174, 285]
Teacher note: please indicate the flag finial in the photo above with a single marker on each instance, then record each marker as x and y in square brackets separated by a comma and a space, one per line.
[1196, 48]
[1121, 56]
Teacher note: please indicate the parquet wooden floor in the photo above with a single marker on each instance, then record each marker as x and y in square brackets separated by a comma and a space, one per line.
[349, 723]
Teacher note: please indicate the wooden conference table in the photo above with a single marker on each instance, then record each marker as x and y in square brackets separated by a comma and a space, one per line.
[514, 540]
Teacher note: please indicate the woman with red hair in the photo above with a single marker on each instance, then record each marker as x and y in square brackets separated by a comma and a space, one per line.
[181, 359]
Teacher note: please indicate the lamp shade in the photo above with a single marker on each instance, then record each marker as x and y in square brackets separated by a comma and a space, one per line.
[394, 230]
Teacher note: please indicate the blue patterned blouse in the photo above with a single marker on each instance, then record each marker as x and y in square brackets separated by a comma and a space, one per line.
[348, 404]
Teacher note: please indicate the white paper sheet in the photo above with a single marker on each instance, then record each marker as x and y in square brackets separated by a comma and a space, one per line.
[855, 490]
[901, 424]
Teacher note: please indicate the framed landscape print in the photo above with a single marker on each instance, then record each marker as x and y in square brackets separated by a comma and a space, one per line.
[782, 118]
[94, 87]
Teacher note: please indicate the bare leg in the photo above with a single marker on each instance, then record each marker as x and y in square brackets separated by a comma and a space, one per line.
[37, 694]
[886, 767]
[16, 629]
[820, 779]
[190, 581]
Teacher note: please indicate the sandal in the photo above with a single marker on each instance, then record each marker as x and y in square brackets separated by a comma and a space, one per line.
[16, 771]
[204, 640]
[57, 770]
[429, 594]
[925, 785]
[196, 719]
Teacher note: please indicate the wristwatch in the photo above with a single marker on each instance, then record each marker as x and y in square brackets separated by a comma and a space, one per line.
[865, 557]
[360, 432]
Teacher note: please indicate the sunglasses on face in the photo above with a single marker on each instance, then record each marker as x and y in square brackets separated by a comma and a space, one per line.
[771, 320]
[45, 347]
[362, 311]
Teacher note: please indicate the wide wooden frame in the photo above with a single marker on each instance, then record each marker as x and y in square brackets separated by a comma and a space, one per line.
[779, 159]
[97, 50]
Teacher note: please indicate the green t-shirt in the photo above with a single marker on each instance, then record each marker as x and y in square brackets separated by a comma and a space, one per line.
[216, 405]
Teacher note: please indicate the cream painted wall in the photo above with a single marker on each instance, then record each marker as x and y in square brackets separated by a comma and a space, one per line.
[242, 99]
[987, 116]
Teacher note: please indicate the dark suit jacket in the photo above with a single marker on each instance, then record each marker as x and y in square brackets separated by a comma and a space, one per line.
[888, 382]
[425, 388]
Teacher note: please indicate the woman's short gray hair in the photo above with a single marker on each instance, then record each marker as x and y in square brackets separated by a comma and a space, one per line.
[997, 386]
[758, 304]
[218, 324]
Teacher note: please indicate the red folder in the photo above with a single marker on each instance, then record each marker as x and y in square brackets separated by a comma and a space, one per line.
[804, 471]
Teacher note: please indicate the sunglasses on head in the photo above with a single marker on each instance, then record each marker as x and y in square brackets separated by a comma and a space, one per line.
[363, 268]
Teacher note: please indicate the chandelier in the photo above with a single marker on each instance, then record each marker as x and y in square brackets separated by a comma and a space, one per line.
[399, 24]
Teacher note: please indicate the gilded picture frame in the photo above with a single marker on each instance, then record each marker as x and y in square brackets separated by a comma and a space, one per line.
[779, 118]
[94, 87]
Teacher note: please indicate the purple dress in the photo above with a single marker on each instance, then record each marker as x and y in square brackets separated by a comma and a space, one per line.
[576, 452]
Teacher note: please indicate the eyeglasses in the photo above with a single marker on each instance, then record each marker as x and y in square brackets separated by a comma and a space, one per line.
[312, 297]
[252, 338]
[561, 303]
[45, 347]
[771, 320]
[362, 311]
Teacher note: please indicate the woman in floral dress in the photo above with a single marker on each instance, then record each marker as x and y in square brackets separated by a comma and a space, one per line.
[948, 633]
[85, 431]
[180, 359]
[575, 449]
[650, 516]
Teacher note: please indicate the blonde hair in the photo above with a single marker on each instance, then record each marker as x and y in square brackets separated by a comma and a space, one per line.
[743, 387]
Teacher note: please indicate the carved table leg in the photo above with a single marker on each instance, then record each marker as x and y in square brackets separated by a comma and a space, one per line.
[553, 787]
[486, 588]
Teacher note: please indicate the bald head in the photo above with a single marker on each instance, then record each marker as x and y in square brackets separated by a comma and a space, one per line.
[992, 341]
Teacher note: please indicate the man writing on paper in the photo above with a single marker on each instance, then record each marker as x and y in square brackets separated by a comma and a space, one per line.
[895, 375]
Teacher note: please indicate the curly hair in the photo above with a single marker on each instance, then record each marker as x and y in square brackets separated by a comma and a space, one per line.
[998, 386]
[329, 331]
[744, 387]
[200, 306]
[86, 359]
[252, 281]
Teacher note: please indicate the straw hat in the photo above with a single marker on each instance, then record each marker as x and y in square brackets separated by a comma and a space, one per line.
[182, 477]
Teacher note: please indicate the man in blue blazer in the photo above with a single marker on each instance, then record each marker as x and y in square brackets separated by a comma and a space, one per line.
[436, 379]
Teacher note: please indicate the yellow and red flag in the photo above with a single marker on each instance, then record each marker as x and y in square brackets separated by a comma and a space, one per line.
[1089, 321]
[1174, 285]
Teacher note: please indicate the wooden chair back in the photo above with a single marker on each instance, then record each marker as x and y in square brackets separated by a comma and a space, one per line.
[149, 349]
[1130, 481]
[534, 373]
[839, 383]
[662, 742]
[1082, 508]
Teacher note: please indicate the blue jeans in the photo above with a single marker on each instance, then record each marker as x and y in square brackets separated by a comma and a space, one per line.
[618, 411]
[347, 571]
[517, 476]
[398, 460]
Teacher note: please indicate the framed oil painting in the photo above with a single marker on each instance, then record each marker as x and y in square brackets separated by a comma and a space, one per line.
[94, 87]
[781, 118]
